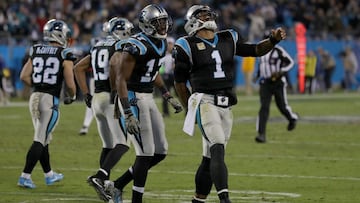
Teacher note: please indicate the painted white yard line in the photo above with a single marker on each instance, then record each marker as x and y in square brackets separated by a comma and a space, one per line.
[178, 196]
[270, 175]
[254, 156]
[344, 178]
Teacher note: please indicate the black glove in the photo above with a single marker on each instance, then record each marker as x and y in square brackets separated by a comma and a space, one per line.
[69, 100]
[174, 102]
[132, 123]
[88, 100]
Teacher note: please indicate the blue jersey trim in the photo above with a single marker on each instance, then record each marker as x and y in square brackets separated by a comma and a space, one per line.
[138, 44]
[160, 51]
[212, 44]
[183, 43]
[119, 45]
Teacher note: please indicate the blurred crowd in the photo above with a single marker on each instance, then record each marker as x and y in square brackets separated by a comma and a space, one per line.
[21, 21]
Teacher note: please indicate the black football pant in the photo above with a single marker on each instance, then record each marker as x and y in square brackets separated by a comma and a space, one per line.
[268, 88]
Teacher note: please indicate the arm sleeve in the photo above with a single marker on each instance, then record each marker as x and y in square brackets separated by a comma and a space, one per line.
[182, 65]
[243, 49]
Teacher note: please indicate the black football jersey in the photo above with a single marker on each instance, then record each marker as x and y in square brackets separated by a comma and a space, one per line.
[149, 54]
[101, 53]
[209, 64]
[48, 72]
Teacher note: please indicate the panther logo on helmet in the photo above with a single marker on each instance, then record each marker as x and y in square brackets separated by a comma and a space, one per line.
[57, 31]
[120, 28]
[200, 17]
[154, 21]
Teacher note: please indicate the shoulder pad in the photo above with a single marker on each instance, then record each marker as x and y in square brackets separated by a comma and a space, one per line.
[132, 49]
[234, 34]
[67, 54]
[137, 45]
[120, 45]
[184, 44]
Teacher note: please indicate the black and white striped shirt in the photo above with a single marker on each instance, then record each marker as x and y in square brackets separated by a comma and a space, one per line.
[274, 63]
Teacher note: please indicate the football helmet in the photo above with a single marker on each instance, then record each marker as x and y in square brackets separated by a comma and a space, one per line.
[154, 21]
[57, 31]
[120, 28]
[105, 27]
[200, 17]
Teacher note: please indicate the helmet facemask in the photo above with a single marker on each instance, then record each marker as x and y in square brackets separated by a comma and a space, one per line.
[200, 17]
[154, 21]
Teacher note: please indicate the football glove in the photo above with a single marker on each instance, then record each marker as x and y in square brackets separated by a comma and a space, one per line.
[132, 123]
[173, 102]
[88, 100]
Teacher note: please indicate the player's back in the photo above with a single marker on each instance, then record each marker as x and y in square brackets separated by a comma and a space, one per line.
[100, 57]
[48, 71]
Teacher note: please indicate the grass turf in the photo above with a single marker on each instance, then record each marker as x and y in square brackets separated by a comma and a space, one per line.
[317, 162]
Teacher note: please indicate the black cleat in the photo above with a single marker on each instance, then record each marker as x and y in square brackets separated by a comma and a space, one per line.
[98, 185]
[225, 201]
[260, 138]
[292, 124]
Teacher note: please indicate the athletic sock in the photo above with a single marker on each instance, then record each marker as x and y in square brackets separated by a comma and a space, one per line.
[156, 159]
[33, 156]
[113, 156]
[125, 179]
[136, 196]
[45, 159]
[203, 180]
[218, 170]
[103, 155]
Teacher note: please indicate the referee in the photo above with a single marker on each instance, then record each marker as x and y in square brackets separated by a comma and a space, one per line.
[271, 75]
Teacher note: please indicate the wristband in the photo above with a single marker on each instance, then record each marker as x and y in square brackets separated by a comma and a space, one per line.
[127, 111]
[273, 40]
[125, 103]
[163, 90]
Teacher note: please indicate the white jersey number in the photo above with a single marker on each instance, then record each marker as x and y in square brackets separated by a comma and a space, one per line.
[150, 67]
[100, 64]
[45, 71]
[219, 73]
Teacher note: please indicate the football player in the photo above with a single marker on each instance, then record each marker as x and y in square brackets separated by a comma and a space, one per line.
[114, 139]
[137, 74]
[49, 64]
[206, 56]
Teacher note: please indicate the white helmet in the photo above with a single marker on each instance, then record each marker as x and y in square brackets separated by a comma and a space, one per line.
[150, 24]
[120, 28]
[193, 22]
[57, 31]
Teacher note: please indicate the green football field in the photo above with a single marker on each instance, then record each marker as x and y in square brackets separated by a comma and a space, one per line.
[317, 162]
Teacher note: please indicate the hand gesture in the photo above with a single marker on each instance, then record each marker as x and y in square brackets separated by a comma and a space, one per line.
[132, 123]
[278, 34]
